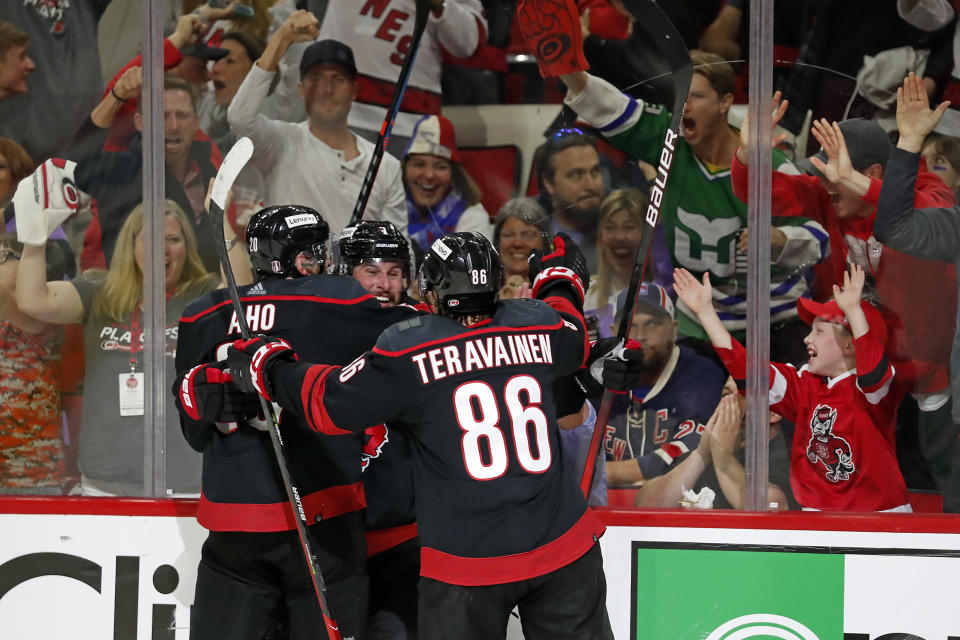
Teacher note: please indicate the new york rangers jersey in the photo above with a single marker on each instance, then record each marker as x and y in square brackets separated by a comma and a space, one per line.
[665, 424]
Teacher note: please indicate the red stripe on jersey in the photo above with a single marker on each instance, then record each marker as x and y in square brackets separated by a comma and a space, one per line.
[383, 539]
[394, 354]
[278, 516]
[673, 450]
[311, 398]
[380, 92]
[296, 298]
[562, 305]
[473, 572]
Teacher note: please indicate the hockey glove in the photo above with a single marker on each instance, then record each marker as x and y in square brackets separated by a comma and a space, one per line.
[552, 29]
[250, 360]
[565, 265]
[612, 366]
[205, 394]
[44, 199]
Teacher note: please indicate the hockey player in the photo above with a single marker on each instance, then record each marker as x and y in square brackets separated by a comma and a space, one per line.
[251, 566]
[488, 368]
[378, 256]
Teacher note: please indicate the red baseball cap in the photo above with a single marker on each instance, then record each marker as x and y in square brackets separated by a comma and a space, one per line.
[809, 310]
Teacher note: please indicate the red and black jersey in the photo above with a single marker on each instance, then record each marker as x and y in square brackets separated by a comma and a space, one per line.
[324, 318]
[843, 456]
[493, 501]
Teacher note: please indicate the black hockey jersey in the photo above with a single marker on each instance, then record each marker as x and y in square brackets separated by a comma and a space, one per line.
[324, 318]
[493, 501]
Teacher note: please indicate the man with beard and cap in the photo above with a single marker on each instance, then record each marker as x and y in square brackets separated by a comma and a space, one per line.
[571, 184]
[660, 421]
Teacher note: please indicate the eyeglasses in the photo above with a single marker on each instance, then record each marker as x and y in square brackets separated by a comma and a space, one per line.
[6, 253]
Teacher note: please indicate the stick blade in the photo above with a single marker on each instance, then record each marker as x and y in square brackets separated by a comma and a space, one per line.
[232, 165]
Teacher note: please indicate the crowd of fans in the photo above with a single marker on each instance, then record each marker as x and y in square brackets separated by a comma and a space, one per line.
[310, 91]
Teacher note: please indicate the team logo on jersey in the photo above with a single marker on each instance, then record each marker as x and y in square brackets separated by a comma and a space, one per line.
[702, 244]
[52, 12]
[832, 450]
[373, 440]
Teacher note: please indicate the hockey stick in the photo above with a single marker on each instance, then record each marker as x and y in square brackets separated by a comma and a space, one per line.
[232, 164]
[419, 24]
[657, 25]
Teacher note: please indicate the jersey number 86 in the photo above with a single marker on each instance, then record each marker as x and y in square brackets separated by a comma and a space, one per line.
[484, 427]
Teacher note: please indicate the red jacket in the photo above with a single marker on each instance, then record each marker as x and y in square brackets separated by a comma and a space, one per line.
[918, 297]
[843, 456]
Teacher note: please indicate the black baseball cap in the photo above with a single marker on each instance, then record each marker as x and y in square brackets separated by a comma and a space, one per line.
[328, 51]
[867, 144]
[204, 51]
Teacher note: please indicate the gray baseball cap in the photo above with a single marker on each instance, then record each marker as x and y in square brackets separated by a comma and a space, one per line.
[867, 144]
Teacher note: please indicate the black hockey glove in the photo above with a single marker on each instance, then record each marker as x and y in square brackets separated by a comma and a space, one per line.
[205, 394]
[612, 366]
[565, 265]
[250, 360]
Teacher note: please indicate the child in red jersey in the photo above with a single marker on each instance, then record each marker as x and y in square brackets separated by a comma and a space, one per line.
[843, 455]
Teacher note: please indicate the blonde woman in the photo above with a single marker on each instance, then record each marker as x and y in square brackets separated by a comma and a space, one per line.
[109, 304]
[619, 233]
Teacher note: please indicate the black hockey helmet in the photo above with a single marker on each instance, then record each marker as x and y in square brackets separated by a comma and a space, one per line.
[277, 235]
[465, 272]
[373, 241]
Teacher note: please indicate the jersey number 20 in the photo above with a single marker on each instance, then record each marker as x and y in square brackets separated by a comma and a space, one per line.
[484, 427]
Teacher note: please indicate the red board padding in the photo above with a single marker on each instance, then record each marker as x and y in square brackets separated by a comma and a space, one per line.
[621, 497]
[792, 520]
[98, 506]
[496, 170]
[610, 516]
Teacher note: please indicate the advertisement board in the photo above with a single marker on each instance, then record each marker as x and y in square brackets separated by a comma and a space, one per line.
[125, 569]
[97, 576]
[670, 583]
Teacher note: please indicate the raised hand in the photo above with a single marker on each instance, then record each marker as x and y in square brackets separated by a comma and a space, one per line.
[779, 110]
[728, 423]
[696, 295]
[848, 298]
[301, 26]
[129, 84]
[915, 119]
[190, 27]
[838, 166]
[552, 30]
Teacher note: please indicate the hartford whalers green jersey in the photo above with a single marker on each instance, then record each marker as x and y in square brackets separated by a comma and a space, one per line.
[700, 216]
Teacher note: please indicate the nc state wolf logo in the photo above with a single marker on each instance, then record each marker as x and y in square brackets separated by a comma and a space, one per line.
[833, 451]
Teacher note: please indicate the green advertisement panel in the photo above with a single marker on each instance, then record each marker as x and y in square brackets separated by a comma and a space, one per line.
[712, 594]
